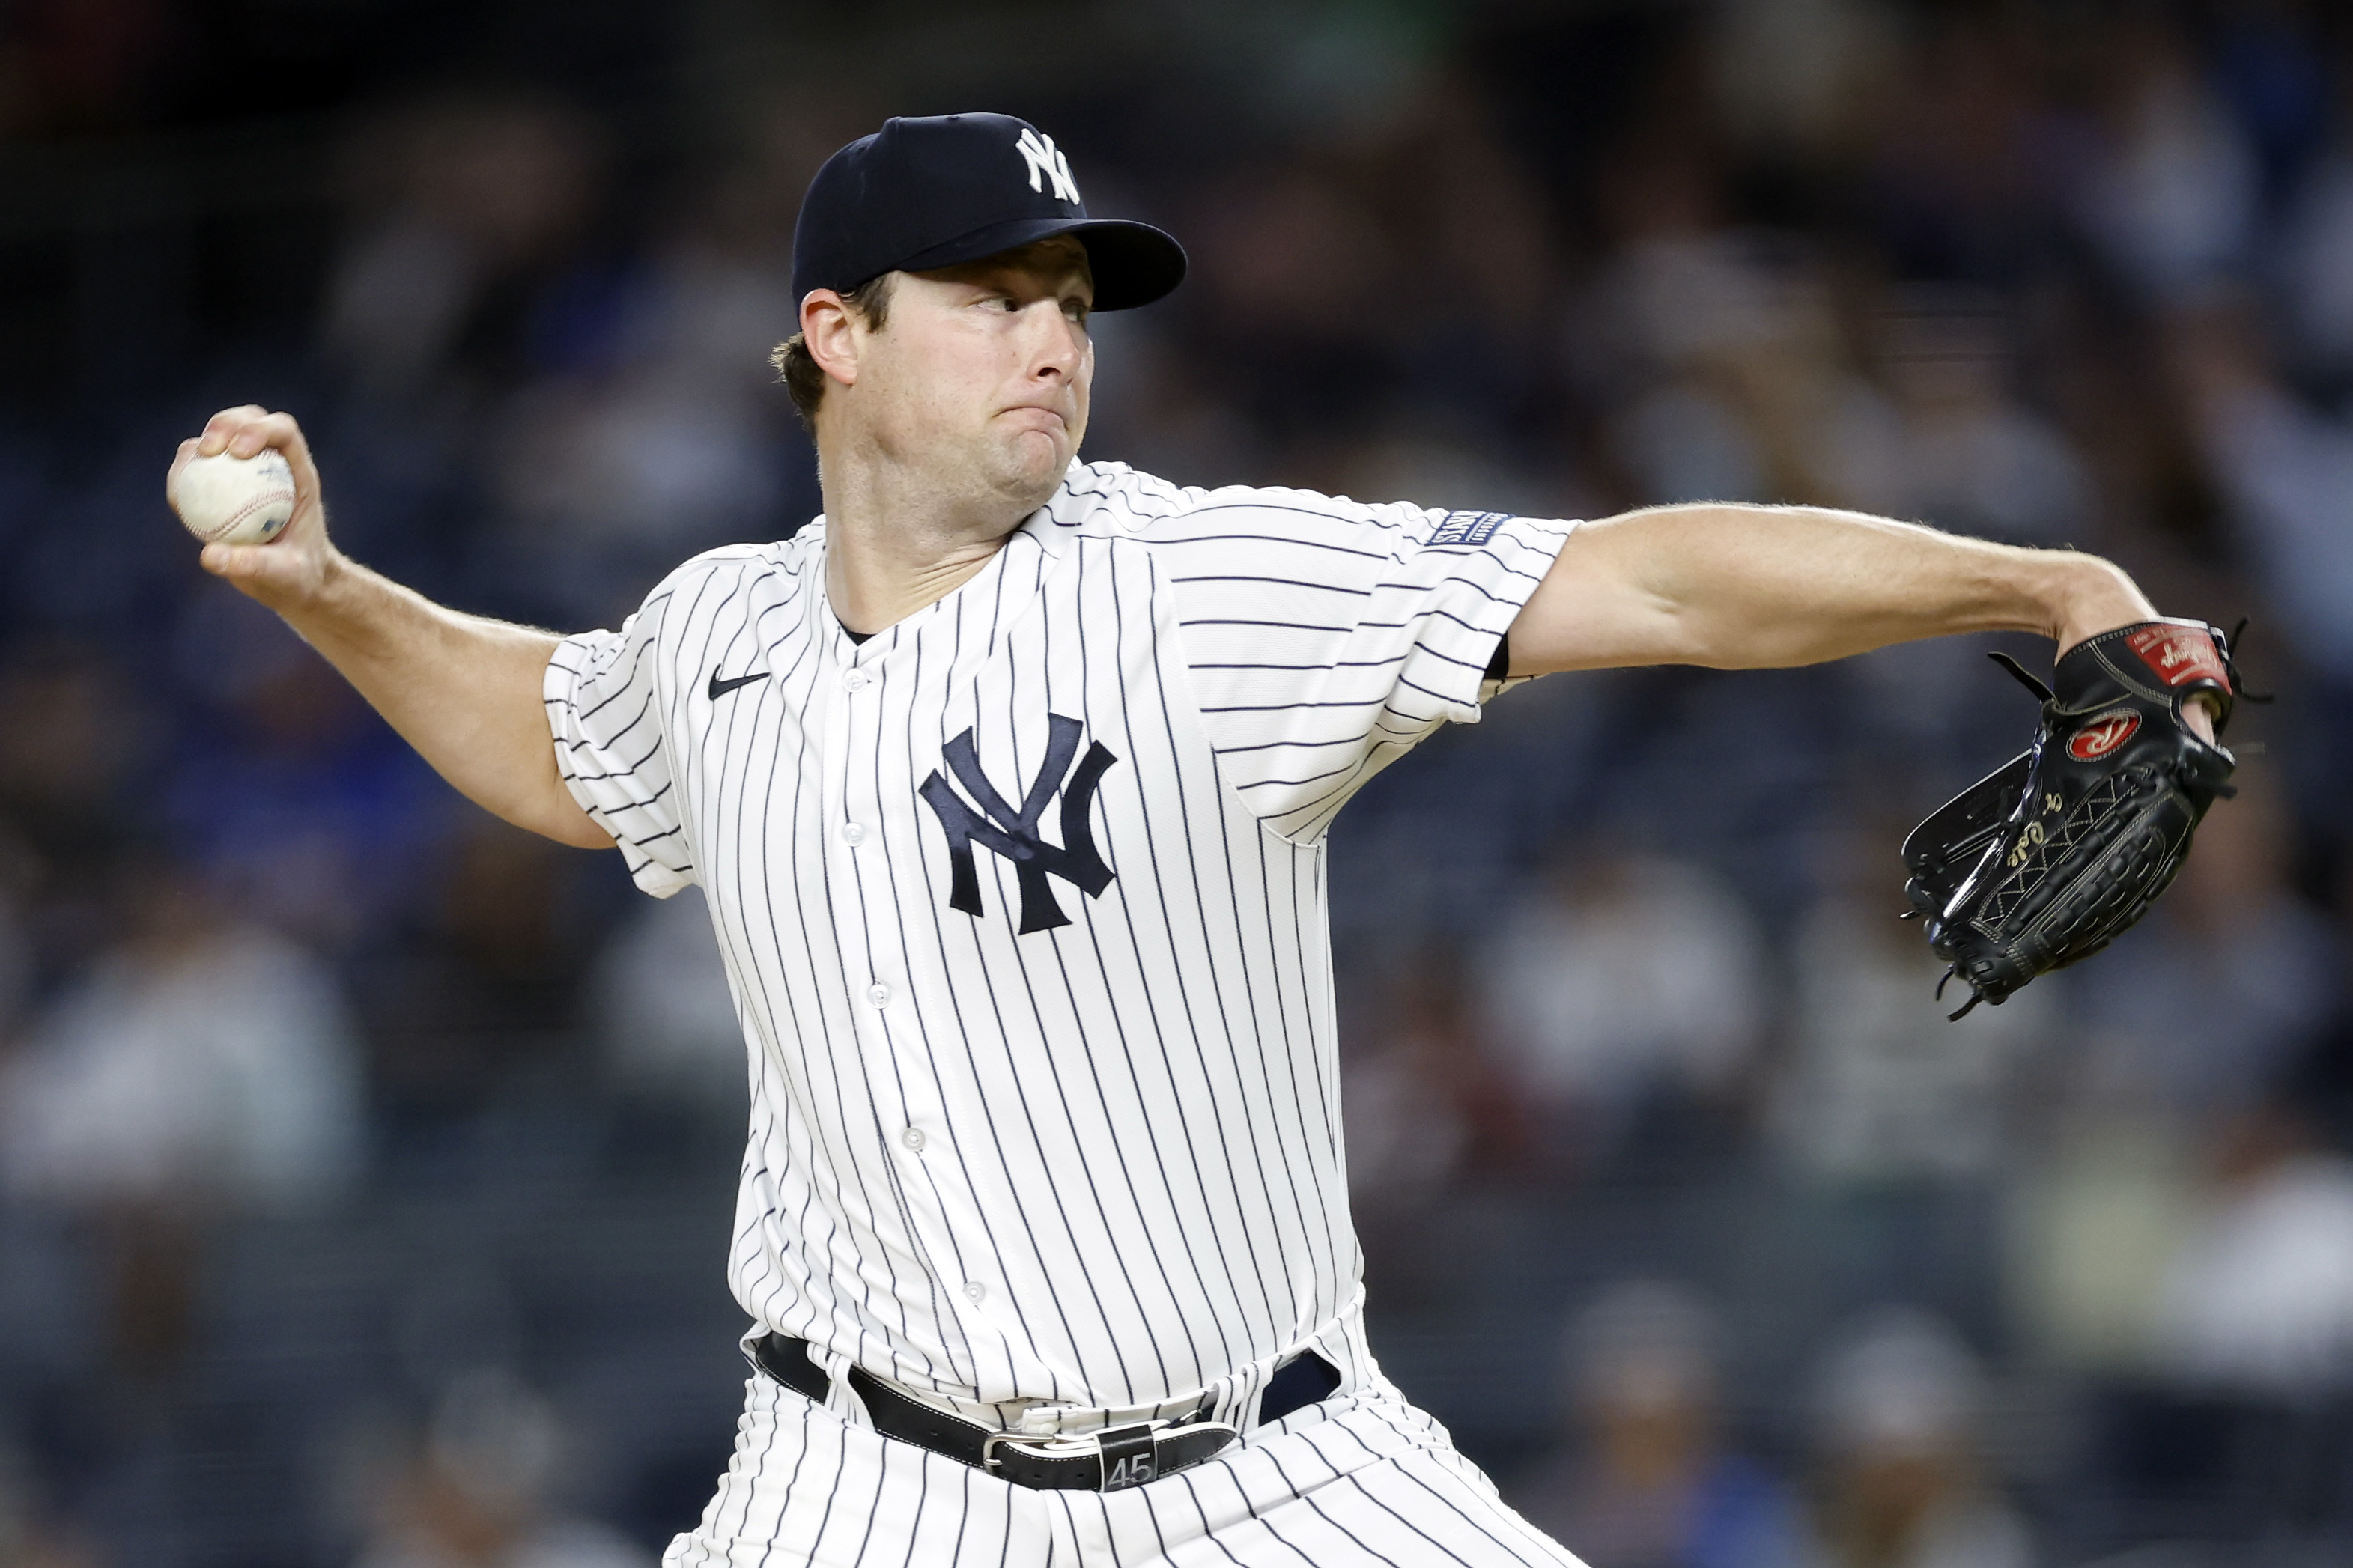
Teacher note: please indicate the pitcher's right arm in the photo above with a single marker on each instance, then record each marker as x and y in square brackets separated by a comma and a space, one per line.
[463, 690]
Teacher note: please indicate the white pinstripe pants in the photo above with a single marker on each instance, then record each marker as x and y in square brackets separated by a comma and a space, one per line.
[1362, 1479]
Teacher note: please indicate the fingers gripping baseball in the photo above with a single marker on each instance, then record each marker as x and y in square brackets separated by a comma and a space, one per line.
[292, 566]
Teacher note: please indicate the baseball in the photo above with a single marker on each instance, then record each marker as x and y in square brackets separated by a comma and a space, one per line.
[235, 500]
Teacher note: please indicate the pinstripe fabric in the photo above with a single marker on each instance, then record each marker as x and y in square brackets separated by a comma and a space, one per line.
[1359, 1481]
[1034, 1142]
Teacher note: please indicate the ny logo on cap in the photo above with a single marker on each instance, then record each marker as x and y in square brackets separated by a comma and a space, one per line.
[1002, 829]
[1045, 163]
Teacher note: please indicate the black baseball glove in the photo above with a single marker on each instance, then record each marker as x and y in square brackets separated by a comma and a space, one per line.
[2047, 860]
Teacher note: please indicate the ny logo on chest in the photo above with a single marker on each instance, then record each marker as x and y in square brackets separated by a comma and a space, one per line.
[997, 827]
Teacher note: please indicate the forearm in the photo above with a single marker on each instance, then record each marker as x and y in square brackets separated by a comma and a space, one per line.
[463, 690]
[1736, 587]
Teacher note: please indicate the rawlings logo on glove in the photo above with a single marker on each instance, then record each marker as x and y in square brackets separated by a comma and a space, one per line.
[2047, 860]
[2182, 651]
[2101, 735]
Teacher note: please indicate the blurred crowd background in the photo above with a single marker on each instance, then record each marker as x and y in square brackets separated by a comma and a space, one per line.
[365, 1165]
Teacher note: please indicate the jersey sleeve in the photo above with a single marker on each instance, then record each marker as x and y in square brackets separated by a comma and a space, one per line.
[605, 708]
[1325, 636]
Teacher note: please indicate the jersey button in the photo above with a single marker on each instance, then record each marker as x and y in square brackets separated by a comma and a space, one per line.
[913, 1139]
[974, 1290]
[853, 833]
[878, 995]
[856, 680]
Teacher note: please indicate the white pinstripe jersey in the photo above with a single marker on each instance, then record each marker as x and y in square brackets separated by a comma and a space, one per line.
[1023, 902]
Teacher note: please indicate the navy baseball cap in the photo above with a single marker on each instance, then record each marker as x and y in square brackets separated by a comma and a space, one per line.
[949, 188]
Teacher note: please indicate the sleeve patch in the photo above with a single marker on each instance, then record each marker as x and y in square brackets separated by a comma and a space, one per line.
[1467, 529]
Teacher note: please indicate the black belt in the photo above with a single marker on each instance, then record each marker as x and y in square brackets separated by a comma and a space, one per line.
[1110, 1460]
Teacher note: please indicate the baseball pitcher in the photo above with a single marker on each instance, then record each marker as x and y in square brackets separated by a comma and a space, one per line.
[1008, 782]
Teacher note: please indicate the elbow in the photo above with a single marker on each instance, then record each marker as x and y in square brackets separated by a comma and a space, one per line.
[553, 814]
[1685, 632]
[576, 827]
[1765, 648]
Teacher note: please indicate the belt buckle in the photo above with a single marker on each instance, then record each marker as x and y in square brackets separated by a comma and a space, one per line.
[1126, 1454]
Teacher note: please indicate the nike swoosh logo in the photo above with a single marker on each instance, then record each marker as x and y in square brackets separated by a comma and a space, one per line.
[720, 689]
